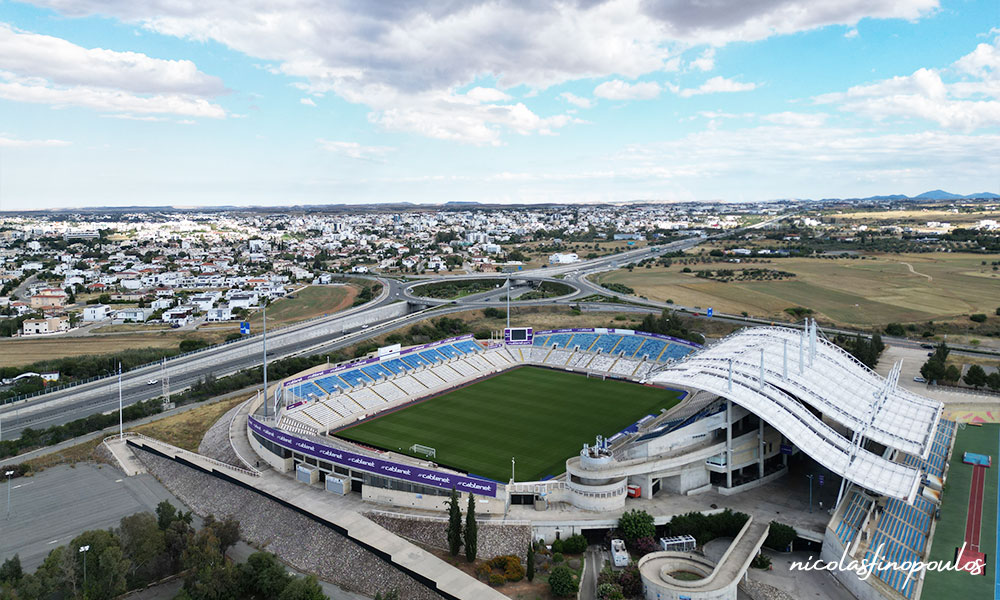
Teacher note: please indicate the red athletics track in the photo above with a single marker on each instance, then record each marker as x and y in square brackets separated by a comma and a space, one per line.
[974, 520]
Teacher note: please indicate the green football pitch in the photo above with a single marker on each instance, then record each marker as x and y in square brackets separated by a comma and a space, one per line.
[537, 416]
[950, 531]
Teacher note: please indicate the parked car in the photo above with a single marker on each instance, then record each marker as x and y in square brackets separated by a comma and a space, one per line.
[919, 379]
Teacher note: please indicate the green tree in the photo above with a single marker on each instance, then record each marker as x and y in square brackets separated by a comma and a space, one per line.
[993, 381]
[106, 567]
[779, 536]
[454, 524]
[143, 546]
[562, 583]
[531, 562]
[10, 571]
[471, 530]
[227, 531]
[975, 376]
[636, 524]
[263, 576]
[952, 374]
[303, 588]
[210, 576]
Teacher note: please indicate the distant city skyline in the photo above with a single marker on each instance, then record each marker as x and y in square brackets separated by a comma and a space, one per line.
[117, 103]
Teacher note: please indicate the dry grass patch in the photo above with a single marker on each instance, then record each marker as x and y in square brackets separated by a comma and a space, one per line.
[185, 430]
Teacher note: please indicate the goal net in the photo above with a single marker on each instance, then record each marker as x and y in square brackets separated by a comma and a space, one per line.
[425, 450]
[600, 376]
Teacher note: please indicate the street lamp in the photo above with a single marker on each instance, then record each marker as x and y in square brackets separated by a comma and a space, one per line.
[9, 474]
[512, 468]
[810, 492]
[83, 550]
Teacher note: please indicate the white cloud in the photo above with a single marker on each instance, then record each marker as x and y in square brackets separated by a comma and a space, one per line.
[38, 91]
[48, 70]
[10, 142]
[966, 104]
[851, 33]
[352, 47]
[482, 94]
[706, 61]
[617, 89]
[577, 100]
[716, 85]
[65, 63]
[355, 150]
[307, 102]
[795, 119]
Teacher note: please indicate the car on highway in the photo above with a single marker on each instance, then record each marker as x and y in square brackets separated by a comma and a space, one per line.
[919, 379]
[927, 346]
[152, 382]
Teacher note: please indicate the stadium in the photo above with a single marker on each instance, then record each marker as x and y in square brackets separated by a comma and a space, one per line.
[590, 421]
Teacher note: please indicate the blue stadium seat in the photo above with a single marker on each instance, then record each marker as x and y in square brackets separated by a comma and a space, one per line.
[650, 349]
[628, 345]
[606, 342]
[467, 346]
[583, 341]
[414, 360]
[448, 351]
[432, 355]
[355, 377]
[331, 383]
[560, 339]
[396, 366]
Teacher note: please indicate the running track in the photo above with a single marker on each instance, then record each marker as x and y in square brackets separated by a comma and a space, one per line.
[974, 520]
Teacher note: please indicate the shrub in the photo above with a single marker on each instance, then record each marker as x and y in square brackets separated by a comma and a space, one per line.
[513, 571]
[895, 329]
[496, 580]
[761, 561]
[780, 536]
[978, 318]
[192, 344]
[610, 591]
[575, 544]
[483, 570]
[630, 581]
[562, 583]
[644, 546]
[557, 557]
[557, 546]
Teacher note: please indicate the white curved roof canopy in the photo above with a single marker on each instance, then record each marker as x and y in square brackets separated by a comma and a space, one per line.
[836, 384]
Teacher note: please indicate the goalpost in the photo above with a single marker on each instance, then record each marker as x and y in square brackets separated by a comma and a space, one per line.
[425, 450]
[600, 376]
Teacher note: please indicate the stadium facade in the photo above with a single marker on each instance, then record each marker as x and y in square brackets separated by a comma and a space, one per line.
[751, 402]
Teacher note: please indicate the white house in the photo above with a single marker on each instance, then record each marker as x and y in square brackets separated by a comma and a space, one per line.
[219, 314]
[96, 312]
[245, 300]
[136, 315]
[563, 258]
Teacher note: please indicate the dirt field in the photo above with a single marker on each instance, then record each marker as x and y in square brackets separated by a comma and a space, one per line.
[903, 288]
[185, 430]
[15, 352]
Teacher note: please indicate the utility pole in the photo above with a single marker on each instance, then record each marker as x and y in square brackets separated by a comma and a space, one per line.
[121, 422]
[264, 321]
[508, 302]
[810, 492]
[83, 550]
[9, 474]
[512, 468]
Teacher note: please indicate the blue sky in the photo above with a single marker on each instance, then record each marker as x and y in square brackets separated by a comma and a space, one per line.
[115, 102]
